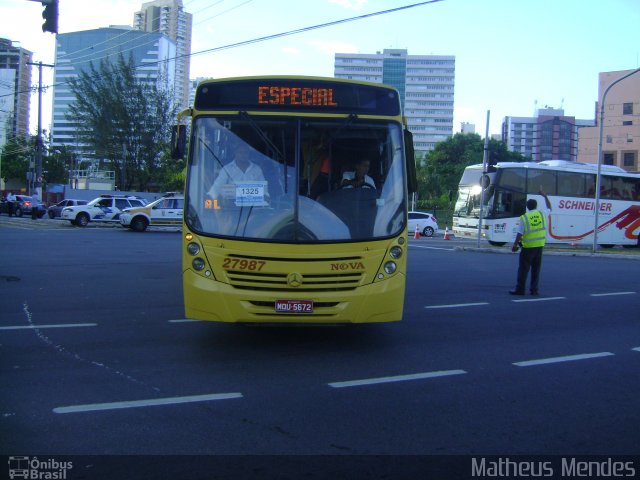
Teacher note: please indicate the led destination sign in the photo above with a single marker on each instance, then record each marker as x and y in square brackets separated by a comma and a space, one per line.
[296, 95]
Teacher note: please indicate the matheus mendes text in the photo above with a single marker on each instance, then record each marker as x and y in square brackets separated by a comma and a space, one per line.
[556, 467]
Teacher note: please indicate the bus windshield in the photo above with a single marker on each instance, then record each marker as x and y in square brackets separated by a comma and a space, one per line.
[295, 179]
[470, 194]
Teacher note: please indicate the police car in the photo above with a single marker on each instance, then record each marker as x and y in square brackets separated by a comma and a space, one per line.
[105, 208]
[164, 212]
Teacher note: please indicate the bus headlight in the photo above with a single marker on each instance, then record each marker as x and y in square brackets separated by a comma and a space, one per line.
[395, 252]
[198, 264]
[193, 248]
[390, 267]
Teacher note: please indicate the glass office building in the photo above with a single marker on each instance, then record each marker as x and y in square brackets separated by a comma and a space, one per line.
[153, 53]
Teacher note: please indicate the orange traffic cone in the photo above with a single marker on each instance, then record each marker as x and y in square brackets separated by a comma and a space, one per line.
[416, 234]
[446, 233]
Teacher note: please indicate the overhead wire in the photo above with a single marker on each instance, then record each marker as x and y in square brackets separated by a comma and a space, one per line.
[288, 33]
[114, 49]
[124, 33]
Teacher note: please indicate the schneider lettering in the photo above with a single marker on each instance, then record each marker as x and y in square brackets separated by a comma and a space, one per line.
[317, 97]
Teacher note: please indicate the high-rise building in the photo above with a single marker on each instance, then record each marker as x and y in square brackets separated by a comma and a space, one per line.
[466, 127]
[76, 52]
[621, 125]
[168, 17]
[15, 90]
[549, 135]
[425, 82]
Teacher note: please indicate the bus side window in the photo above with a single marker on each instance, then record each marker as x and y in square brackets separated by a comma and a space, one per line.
[591, 186]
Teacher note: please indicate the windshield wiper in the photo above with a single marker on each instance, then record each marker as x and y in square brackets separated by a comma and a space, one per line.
[262, 135]
[347, 121]
[206, 145]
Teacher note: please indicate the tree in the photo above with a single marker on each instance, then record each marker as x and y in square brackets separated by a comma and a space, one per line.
[441, 170]
[16, 154]
[57, 163]
[123, 119]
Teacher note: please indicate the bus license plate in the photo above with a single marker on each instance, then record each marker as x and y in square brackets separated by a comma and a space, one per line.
[294, 306]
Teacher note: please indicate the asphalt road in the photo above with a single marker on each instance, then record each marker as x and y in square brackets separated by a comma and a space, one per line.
[96, 359]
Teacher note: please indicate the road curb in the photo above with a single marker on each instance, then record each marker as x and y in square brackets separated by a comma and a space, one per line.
[618, 256]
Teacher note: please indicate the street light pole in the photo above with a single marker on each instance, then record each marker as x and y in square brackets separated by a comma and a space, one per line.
[37, 181]
[598, 179]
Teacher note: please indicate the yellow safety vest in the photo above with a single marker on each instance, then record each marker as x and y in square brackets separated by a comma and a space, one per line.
[535, 229]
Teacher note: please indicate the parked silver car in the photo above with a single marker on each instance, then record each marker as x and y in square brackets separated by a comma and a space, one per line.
[55, 211]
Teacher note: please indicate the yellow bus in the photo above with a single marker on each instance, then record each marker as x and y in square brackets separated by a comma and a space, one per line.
[295, 201]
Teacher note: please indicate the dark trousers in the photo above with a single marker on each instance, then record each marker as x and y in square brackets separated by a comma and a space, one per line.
[530, 259]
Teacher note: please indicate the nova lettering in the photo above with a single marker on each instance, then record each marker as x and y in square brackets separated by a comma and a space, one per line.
[347, 266]
[316, 97]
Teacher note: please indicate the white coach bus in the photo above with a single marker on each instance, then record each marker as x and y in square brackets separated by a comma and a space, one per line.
[570, 187]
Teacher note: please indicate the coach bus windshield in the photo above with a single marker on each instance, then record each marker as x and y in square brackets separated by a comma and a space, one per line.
[470, 194]
[295, 180]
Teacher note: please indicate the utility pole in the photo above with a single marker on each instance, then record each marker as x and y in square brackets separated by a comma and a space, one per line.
[37, 181]
[485, 161]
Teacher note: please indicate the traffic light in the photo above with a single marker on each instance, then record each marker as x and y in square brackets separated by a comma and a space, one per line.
[50, 15]
[492, 161]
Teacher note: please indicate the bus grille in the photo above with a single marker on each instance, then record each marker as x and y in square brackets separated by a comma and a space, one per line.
[277, 282]
[333, 281]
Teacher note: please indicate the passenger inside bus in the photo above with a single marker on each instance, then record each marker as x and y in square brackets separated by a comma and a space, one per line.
[241, 169]
[316, 168]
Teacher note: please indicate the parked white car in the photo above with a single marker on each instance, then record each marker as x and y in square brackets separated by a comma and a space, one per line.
[164, 212]
[426, 223]
[105, 208]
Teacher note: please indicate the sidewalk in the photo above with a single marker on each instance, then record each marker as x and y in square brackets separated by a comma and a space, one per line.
[617, 252]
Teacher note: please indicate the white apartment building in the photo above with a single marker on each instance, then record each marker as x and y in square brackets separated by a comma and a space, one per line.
[169, 18]
[425, 82]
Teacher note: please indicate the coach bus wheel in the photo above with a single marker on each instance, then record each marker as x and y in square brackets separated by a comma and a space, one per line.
[82, 220]
[497, 244]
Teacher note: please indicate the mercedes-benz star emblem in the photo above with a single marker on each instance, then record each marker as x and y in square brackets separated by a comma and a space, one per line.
[294, 279]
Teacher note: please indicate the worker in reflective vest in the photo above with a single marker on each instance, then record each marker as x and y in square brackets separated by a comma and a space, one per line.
[531, 236]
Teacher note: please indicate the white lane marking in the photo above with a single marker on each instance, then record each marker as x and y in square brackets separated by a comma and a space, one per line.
[151, 402]
[610, 294]
[434, 248]
[60, 325]
[397, 378]
[545, 299]
[184, 320]
[457, 305]
[636, 349]
[567, 358]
